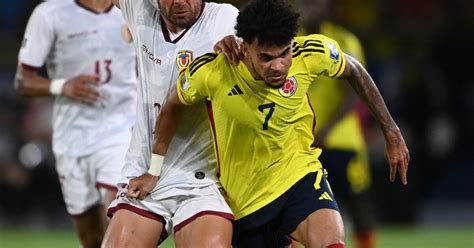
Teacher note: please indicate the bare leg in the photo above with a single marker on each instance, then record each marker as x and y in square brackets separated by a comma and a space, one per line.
[128, 229]
[90, 226]
[320, 229]
[206, 231]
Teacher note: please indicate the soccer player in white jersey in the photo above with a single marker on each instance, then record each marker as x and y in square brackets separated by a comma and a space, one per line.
[91, 69]
[168, 34]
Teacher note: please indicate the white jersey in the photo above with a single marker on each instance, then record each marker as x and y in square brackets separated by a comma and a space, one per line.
[190, 157]
[73, 40]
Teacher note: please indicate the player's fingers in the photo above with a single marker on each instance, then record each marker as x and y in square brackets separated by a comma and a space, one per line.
[142, 195]
[393, 169]
[228, 53]
[90, 79]
[402, 170]
[92, 93]
[133, 193]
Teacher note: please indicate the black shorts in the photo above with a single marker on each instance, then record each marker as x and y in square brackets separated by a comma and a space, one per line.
[268, 226]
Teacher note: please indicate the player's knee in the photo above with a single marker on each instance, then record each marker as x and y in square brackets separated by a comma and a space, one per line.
[328, 239]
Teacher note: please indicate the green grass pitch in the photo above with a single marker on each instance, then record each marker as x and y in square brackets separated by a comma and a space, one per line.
[388, 237]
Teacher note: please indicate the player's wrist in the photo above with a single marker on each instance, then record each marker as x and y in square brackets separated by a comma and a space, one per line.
[155, 164]
[56, 86]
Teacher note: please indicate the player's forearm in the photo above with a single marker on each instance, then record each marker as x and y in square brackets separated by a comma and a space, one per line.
[29, 83]
[365, 87]
[166, 124]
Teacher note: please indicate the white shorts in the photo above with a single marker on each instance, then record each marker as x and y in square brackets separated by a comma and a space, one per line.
[175, 206]
[85, 180]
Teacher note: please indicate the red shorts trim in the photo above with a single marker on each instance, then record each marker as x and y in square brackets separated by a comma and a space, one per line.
[209, 212]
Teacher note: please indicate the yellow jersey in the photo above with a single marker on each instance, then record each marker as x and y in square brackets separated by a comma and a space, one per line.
[262, 136]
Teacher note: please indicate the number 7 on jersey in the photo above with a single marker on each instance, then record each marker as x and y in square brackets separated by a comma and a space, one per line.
[271, 107]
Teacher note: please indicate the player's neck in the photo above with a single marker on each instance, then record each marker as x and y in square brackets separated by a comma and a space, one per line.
[251, 69]
[99, 6]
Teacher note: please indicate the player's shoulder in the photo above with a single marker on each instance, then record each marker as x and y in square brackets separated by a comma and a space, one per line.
[313, 44]
[223, 9]
[309, 44]
[308, 40]
[204, 64]
[52, 6]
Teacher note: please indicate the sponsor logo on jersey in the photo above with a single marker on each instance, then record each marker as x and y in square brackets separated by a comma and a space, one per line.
[289, 87]
[333, 51]
[82, 34]
[235, 91]
[184, 58]
[150, 55]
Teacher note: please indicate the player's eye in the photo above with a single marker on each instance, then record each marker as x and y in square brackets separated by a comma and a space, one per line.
[265, 58]
[285, 53]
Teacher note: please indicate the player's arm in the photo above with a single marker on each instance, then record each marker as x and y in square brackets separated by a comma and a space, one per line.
[28, 82]
[167, 121]
[165, 129]
[38, 41]
[396, 150]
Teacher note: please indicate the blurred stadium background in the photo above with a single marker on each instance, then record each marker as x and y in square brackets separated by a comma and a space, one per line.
[420, 54]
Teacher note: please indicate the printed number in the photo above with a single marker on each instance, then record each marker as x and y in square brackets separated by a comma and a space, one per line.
[108, 72]
[262, 107]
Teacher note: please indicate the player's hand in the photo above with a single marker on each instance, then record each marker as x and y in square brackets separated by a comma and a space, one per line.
[230, 46]
[140, 187]
[397, 155]
[82, 88]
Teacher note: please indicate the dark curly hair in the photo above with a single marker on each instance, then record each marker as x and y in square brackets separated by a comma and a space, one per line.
[270, 22]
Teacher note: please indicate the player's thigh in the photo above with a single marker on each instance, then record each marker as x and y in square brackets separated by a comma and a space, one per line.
[320, 229]
[90, 226]
[204, 219]
[211, 231]
[128, 229]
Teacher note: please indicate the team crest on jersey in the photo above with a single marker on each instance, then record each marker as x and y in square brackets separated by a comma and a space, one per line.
[289, 87]
[184, 58]
[333, 52]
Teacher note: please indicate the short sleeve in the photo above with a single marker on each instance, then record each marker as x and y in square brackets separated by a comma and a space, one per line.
[324, 56]
[38, 38]
[192, 82]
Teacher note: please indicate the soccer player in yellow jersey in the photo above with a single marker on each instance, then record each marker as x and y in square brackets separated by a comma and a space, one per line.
[338, 130]
[262, 125]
